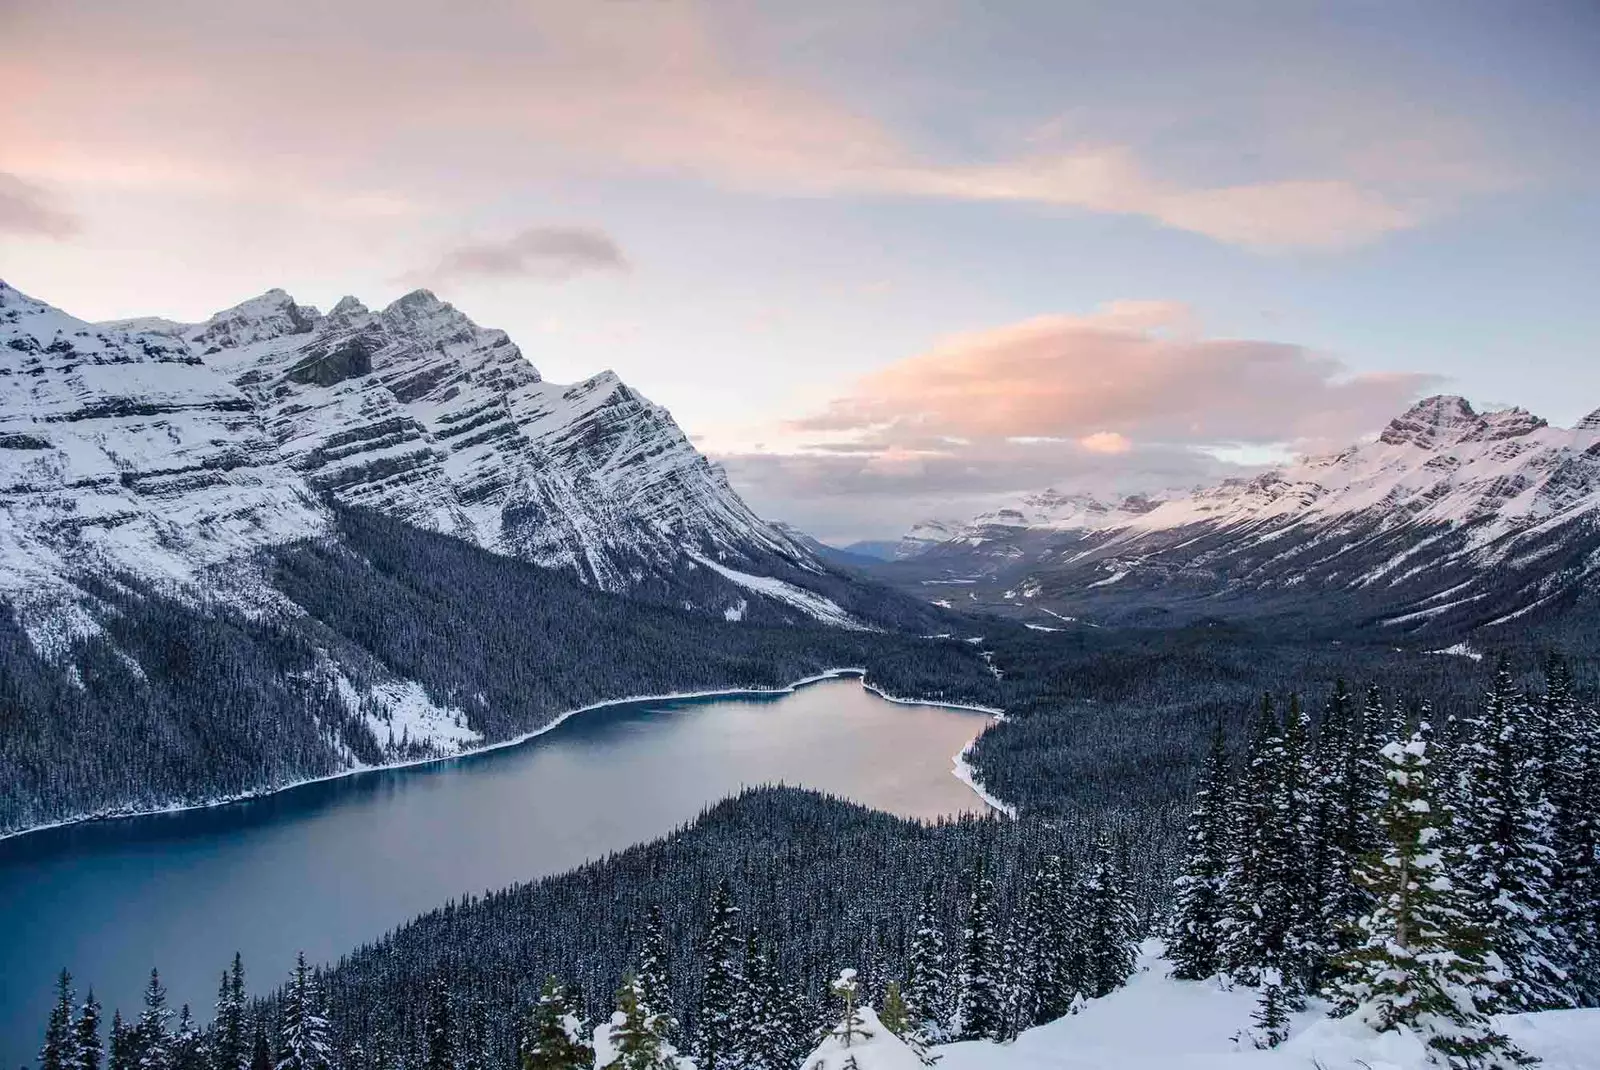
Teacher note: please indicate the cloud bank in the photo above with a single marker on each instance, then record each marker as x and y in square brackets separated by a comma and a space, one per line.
[1130, 398]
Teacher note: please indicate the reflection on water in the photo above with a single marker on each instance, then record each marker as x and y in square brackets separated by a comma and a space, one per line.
[327, 866]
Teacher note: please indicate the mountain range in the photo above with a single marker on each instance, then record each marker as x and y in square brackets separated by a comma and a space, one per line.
[1450, 519]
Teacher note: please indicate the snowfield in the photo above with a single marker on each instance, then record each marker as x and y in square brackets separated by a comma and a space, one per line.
[1156, 1023]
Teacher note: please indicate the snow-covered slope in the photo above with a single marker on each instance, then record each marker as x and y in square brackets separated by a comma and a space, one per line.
[1448, 515]
[164, 448]
[416, 411]
[123, 452]
[1156, 1023]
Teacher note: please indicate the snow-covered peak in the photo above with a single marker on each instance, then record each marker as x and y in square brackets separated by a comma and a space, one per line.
[924, 536]
[1590, 422]
[268, 316]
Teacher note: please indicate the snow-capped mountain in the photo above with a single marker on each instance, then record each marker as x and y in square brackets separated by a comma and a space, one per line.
[172, 452]
[416, 411]
[1448, 515]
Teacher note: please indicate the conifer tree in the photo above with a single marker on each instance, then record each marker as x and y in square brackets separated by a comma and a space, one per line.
[59, 1050]
[86, 1035]
[304, 1036]
[439, 1028]
[229, 1043]
[152, 1035]
[554, 1038]
[188, 1044]
[1057, 956]
[714, 1041]
[124, 1044]
[1249, 943]
[637, 1034]
[1421, 966]
[260, 1050]
[655, 983]
[1194, 937]
[979, 998]
[1503, 832]
[1271, 1017]
[927, 987]
[1110, 926]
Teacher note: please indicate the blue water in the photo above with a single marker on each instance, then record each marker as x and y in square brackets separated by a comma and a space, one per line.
[324, 867]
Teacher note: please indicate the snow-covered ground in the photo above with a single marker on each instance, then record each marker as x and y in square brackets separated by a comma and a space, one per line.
[1156, 1023]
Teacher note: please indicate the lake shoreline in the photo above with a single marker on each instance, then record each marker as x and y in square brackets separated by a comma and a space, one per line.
[515, 741]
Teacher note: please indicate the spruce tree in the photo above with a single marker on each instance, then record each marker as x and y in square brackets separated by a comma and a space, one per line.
[86, 1035]
[1271, 1017]
[59, 1050]
[304, 1036]
[260, 1050]
[979, 998]
[1194, 936]
[153, 1035]
[927, 988]
[1254, 875]
[720, 987]
[439, 1028]
[188, 1044]
[1110, 926]
[1421, 966]
[554, 1038]
[638, 1035]
[229, 1043]
[1503, 832]
[124, 1044]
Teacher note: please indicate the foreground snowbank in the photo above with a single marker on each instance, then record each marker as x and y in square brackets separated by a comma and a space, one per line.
[1156, 1023]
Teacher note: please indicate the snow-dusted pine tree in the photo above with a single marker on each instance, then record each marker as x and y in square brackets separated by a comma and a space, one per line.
[655, 984]
[230, 1044]
[124, 1044]
[1503, 830]
[554, 1036]
[86, 1035]
[1194, 936]
[60, 1042]
[1270, 1021]
[720, 987]
[152, 1035]
[1252, 874]
[1421, 967]
[636, 1035]
[1110, 924]
[305, 1038]
[188, 1043]
[927, 988]
[979, 996]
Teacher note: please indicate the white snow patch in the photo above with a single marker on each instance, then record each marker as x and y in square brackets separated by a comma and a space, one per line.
[1463, 649]
[809, 602]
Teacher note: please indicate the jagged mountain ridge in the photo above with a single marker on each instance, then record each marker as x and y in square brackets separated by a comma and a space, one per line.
[416, 411]
[1449, 515]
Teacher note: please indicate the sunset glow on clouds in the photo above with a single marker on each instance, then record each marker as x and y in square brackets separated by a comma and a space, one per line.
[757, 212]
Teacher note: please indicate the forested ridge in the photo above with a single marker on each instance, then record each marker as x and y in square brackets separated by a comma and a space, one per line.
[180, 703]
[1416, 869]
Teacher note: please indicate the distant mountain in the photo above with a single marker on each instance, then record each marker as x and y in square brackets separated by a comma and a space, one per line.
[1450, 519]
[882, 549]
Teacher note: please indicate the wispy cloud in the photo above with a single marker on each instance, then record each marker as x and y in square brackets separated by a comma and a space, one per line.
[574, 87]
[551, 254]
[26, 209]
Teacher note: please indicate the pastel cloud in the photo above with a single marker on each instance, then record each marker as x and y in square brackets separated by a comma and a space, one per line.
[27, 210]
[1133, 397]
[1115, 379]
[219, 106]
[548, 253]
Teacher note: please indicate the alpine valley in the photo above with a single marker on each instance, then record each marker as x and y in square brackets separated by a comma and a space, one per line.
[222, 543]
